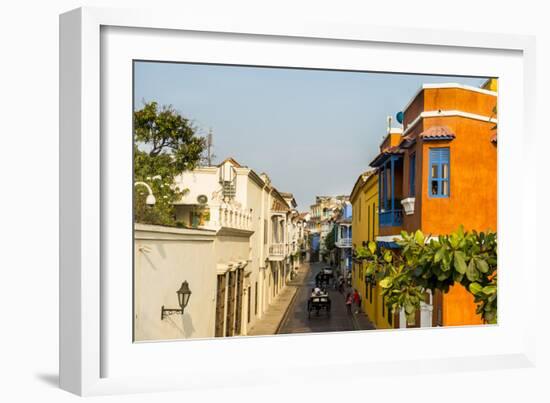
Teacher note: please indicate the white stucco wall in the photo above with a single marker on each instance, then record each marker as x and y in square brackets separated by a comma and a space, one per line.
[242, 180]
[254, 195]
[164, 258]
[201, 181]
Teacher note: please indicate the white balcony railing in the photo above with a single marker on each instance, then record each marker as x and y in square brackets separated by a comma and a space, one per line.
[344, 243]
[277, 250]
[225, 215]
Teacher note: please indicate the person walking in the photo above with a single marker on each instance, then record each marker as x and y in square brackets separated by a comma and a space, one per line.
[341, 284]
[349, 301]
[356, 300]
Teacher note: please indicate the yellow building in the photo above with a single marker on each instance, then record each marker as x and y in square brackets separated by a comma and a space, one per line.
[364, 201]
[491, 84]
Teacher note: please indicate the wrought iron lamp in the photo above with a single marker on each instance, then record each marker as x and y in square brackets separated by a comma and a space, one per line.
[184, 293]
[150, 200]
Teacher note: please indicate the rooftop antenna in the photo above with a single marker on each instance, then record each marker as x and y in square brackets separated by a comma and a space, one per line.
[209, 145]
[389, 123]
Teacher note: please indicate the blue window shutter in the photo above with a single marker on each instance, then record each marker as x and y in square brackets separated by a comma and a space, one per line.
[440, 185]
[440, 155]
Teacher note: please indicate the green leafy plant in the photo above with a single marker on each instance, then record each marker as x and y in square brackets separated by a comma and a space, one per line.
[425, 263]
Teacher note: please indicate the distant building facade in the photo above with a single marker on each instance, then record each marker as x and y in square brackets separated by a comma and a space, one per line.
[343, 237]
[321, 223]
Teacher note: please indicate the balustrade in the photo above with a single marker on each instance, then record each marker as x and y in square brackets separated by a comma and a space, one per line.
[227, 216]
[391, 218]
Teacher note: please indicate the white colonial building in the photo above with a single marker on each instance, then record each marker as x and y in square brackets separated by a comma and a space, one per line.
[296, 236]
[254, 236]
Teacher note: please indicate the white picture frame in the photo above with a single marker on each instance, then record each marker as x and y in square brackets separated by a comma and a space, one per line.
[89, 326]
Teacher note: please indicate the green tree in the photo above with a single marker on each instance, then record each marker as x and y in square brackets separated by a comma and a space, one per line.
[330, 241]
[165, 145]
[468, 258]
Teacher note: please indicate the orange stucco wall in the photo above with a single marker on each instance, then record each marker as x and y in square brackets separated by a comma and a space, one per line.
[392, 139]
[434, 99]
[473, 180]
[459, 307]
[458, 99]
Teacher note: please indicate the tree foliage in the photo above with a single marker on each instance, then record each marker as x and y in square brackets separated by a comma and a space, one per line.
[421, 264]
[329, 241]
[165, 145]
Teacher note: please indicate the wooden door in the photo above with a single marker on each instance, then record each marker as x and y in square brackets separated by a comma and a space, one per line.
[249, 304]
[230, 317]
[239, 302]
[275, 270]
[220, 306]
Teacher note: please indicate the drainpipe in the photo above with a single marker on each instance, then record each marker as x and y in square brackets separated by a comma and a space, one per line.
[380, 187]
[392, 187]
[262, 224]
[261, 275]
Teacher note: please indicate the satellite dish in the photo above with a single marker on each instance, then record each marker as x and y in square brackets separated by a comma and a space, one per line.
[202, 199]
[399, 117]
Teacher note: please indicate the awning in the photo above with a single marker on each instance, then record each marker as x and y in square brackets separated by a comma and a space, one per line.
[387, 245]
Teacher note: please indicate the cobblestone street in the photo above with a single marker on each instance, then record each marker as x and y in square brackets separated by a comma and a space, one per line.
[296, 320]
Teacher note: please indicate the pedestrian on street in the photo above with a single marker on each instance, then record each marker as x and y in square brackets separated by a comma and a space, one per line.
[356, 300]
[349, 301]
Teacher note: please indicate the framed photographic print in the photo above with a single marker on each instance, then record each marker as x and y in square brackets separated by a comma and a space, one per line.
[255, 193]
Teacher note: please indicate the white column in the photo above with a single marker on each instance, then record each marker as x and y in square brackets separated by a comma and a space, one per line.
[215, 218]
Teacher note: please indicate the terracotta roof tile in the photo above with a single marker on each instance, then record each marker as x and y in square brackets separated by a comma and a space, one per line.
[436, 132]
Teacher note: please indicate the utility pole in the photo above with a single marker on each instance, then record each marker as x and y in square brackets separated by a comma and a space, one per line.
[209, 147]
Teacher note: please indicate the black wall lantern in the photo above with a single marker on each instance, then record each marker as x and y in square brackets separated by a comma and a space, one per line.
[184, 293]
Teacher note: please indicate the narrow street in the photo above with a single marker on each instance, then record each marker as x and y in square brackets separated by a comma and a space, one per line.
[297, 321]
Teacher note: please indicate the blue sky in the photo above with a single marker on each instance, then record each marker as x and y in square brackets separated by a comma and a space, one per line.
[313, 132]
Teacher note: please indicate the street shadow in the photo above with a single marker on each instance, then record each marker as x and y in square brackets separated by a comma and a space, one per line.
[161, 251]
[49, 379]
[188, 327]
[150, 262]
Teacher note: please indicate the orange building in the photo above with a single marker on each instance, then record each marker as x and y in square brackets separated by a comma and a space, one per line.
[440, 173]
